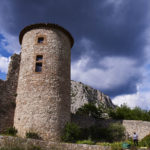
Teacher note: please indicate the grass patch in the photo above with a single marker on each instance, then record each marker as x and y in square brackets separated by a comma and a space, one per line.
[89, 142]
[32, 135]
[11, 131]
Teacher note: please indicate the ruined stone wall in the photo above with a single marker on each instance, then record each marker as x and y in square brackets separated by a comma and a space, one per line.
[8, 94]
[43, 98]
[142, 128]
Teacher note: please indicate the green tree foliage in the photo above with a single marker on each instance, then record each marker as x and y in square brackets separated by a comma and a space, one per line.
[90, 109]
[116, 132]
[71, 133]
[125, 112]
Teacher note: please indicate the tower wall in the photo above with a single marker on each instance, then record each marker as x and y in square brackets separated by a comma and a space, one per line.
[43, 98]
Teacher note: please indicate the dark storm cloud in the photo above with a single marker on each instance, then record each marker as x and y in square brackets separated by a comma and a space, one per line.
[114, 33]
[114, 29]
[128, 88]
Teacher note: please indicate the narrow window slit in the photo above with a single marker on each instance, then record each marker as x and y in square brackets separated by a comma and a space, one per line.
[38, 67]
[40, 40]
[39, 58]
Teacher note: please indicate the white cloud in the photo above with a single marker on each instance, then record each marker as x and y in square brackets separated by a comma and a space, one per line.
[10, 43]
[116, 71]
[140, 99]
[4, 61]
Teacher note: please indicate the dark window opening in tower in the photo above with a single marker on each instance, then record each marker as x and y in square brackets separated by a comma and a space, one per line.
[39, 58]
[38, 67]
[40, 40]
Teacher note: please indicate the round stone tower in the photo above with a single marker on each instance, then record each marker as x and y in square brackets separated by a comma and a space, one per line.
[43, 93]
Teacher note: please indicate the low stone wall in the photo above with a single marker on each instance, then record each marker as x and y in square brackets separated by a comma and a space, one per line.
[142, 128]
[47, 145]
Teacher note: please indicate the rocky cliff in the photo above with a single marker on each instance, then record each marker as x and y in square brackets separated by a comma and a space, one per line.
[82, 94]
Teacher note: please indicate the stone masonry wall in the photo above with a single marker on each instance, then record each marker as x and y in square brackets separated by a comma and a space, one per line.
[142, 128]
[43, 98]
[8, 94]
[47, 145]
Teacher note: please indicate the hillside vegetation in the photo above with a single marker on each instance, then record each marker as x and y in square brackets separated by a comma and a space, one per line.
[126, 113]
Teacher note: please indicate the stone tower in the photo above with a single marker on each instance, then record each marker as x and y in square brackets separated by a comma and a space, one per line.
[43, 92]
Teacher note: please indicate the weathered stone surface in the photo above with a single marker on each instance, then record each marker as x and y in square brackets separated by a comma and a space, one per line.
[43, 98]
[82, 94]
[142, 128]
[49, 145]
[8, 94]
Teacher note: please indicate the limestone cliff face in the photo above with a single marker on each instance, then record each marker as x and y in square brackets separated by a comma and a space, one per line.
[82, 94]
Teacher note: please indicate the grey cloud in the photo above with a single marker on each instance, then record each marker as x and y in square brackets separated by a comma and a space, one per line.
[113, 31]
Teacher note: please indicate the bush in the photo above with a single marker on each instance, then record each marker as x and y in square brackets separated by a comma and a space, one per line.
[32, 135]
[116, 132]
[103, 143]
[116, 146]
[145, 142]
[71, 133]
[86, 142]
[11, 131]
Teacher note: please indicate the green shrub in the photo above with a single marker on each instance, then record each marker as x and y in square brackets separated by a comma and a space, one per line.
[145, 142]
[32, 135]
[86, 142]
[116, 146]
[116, 132]
[11, 131]
[71, 133]
[33, 147]
[103, 143]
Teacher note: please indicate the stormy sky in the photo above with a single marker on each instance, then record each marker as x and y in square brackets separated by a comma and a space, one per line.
[111, 50]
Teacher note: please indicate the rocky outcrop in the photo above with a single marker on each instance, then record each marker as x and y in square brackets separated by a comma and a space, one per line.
[82, 94]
